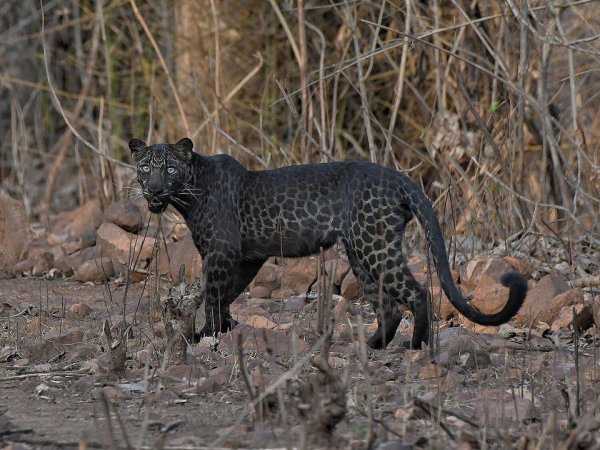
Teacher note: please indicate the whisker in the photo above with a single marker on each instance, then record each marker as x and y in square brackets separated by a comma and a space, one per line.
[130, 188]
[195, 196]
[179, 201]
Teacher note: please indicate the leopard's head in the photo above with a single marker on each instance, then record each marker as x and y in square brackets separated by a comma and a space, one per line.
[162, 170]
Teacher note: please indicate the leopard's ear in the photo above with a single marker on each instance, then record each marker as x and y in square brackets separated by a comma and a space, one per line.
[185, 148]
[137, 148]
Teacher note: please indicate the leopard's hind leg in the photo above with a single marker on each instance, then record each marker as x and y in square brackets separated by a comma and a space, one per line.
[384, 306]
[387, 283]
[402, 286]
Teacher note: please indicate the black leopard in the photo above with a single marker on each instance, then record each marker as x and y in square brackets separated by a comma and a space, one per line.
[238, 218]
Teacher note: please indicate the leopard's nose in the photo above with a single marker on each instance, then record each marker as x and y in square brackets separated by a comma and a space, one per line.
[155, 188]
[155, 191]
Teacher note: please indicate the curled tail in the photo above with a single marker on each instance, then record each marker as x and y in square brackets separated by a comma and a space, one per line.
[516, 282]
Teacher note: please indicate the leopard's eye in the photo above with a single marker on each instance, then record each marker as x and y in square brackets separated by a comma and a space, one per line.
[145, 169]
[171, 170]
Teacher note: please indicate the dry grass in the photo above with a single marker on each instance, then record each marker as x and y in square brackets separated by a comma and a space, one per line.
[491, 107]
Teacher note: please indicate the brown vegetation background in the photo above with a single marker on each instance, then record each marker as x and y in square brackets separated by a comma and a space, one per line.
[492, 107]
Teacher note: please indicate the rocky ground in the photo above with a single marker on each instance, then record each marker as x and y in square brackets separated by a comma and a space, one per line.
[87, 357]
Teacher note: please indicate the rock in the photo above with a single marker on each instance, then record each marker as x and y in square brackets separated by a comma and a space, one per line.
[42, 260]
[540, 298]
[475, 327]
[22, 267]
[261, 322]
[489, 297]
[215, 380]
[442, 307]
[14, 230]
[56, 239]
[500, 409]
[463, 348]
[87, 253]
[80, 310]
[125, 214]
[88, 240]
[299, 274]
[488, 271]
[184, 373]
[80, 221]
[67, 264]
[259, 292]
[519, 265]
[183, 253]
[113, 393]
[269, 277]
[337, 269]
[284, 293]
[383, 374]
[429, 371]
[41, 256]
[295, 302]
[350, 288]
[475, 360]
[57, 251]
[118, 243]
[71, 247]
[95, 270]
[334, 272]
[264, 304]
[567, 298]
[565, 317]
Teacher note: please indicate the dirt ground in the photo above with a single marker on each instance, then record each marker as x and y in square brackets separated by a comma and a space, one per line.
[508, 390]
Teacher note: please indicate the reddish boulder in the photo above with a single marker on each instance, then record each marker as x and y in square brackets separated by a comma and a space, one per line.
[259, 292]
[489, 297]
[268, 277]
[486, 271]
[350, 288]
[540, 298]
[565, 317]
[118, 243]
[337, 269]
[261, 322]
[180, 253]
[79, 310]
[442, 307]
[299, 274]
[283, 293]
[42, 260]
[125, 214]
[80, 221]
[568, 298]
[95, 270]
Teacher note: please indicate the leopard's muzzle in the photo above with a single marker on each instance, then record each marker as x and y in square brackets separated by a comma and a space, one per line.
[157, 201]
[157, 205]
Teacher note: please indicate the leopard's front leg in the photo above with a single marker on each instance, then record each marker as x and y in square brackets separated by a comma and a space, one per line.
[226, 276]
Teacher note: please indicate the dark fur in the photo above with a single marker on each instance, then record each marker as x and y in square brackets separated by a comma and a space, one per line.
[238, 218]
